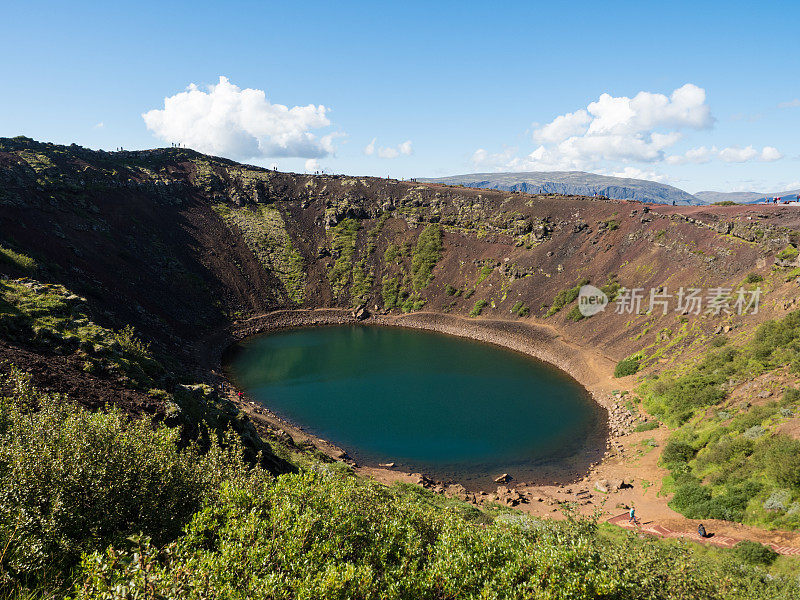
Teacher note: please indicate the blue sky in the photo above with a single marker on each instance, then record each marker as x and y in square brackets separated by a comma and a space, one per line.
[443, 88]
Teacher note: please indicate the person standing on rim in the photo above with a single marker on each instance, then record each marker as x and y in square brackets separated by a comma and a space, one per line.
[632, 515]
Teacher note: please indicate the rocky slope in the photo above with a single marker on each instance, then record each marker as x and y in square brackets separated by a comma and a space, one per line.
[574, 183]
[181, 245]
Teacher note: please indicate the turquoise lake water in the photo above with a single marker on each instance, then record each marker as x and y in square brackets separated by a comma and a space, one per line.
[452, 408]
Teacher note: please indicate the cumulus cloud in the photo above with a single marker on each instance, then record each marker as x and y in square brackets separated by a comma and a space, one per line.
[790, 104]
[636, 173]
[703, 154]
[226, 120]
[615, 131]
[739, 155]
[404, 149]
[619, 128]
[99, 125]
[312, 165]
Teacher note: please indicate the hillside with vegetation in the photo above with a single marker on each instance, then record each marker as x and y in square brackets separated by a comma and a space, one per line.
[125, 275]
[94, 505]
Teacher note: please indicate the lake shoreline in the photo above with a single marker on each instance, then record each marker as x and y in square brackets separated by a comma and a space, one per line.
[541, 342]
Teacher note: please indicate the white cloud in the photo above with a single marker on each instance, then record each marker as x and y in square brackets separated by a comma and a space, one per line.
[702, 155]
[404, 149]
[635, 173]
[747, 154]
[699, 155]
[312, 165]
[790, 104]
[240, 123]
[99, 125]
[617, 129]
[563, 127]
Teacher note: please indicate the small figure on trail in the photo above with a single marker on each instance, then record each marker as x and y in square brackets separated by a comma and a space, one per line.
[701, 531]
[240, 396]
[632, 515]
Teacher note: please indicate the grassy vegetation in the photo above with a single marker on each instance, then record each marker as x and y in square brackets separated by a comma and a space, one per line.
[724, 203]
[343, 245]
[395, 294]
[575, 314]
[478, 308]
[362, 283]
[627, 366]
[372, 236]
[264, 232]
[151, 520]
[612, 224]
[730, 462]
[612, 288]
[20, 261]
[676, 396]
[426, 254]
[484, 272]
[521, 309]
[51, 317]
[788, 253]
[565, 297]
[646, 426]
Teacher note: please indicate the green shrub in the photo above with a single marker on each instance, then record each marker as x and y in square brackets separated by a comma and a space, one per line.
[612, 224]
[788, 253]
[719, 341]
[313, 536]
[391, 253]
[390, 291]
[564, 297]
[612, 288]
[627, 366]
[676, 451]
[478, 308]
[71, 480]
[450, 290]
[324, 533]
[646, 426]
[724, 203]
[781, 457]
[484, 272]
[575, 314]
[520, 309]
[692, 500]
[753, 278]
[754, 553]
[426, 254]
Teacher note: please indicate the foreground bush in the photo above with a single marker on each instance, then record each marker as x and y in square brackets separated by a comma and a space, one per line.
[310, 536]
[754, 553]
[158, 522]
[72, 481]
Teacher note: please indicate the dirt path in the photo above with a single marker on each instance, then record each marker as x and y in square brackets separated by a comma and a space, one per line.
[723, 541]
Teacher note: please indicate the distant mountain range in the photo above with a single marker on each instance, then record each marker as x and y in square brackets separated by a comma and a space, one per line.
[574, 183]
[741, 197]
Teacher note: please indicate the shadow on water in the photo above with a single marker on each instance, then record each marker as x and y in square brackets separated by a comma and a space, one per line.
[452, 408]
